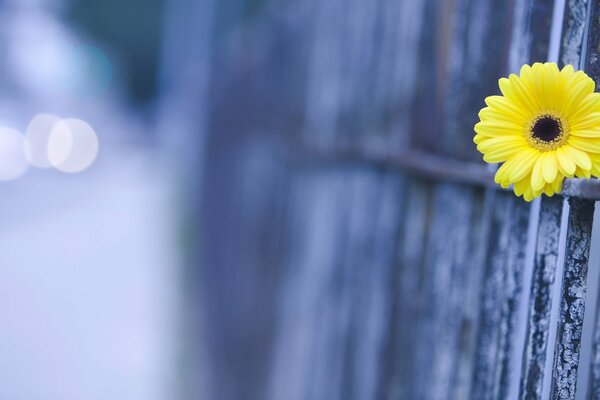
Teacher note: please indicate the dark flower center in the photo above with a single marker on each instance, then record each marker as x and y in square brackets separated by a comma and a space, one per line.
[547, 129]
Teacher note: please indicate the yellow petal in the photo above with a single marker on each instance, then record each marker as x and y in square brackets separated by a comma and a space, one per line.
[579, 157]
[539, 76]
[558, 184]
[580, 76]
[550, 167]
[494, 128]
[522, 185]
[593, 133]
[567, 72]
[582, 173]
[565, 164]
[578, 88]
[551, 85]
[588, 121]
[501, 175]
[548, 191]
[500, 155]
[525, 95]
[589, 104]
[528, 194]
[513, 89]
[501, 142]
[537, 176]
[505, 106]
[492, 114]
[595, 171]
[585, 144]
[521, 164]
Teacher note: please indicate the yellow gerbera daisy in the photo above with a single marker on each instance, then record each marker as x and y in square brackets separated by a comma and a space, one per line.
[544, 127]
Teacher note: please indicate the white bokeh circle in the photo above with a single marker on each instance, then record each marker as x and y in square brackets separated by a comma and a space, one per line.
[72, 145]
[36, 139]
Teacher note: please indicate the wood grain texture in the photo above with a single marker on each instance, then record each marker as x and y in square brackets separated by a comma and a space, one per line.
[540, 303]
[572, 301]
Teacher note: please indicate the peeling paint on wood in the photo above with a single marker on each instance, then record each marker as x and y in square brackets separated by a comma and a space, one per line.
[575, 22]
[572, 302]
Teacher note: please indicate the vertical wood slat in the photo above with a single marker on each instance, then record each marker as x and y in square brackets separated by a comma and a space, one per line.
[517, 255]
[540, 303]
[594, 391]
[370, 257]
[492, 298]
[592, 68]
[572, 306]
[398, 376]
[445, 321]
[578, 15]
[501, 299]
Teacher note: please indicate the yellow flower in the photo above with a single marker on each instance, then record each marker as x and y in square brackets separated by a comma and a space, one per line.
[544, 127]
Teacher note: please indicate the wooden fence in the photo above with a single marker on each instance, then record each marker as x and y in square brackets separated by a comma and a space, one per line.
[351, 244]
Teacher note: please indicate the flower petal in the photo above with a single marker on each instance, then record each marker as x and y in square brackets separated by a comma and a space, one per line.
[528, 194]
[589, 104]
[550, 167]
[521, 164]
[588, 121]
[520, 186]
[557, 185]
[579, 157]
[587, 133]
[513, 89]
[537, 176]
[505, 106]
[492, 114]
[585, 144]
[551, 85]
[565, 163]
[495, 143]
[497, 128]
[576, 90]
[567, 72]
[583, 173]
[595, 164]
[501, 176]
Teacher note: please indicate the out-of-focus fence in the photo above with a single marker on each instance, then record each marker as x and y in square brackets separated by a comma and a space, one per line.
[351, 245]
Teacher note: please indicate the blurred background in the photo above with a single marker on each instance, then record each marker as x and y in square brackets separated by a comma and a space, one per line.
[227, 200]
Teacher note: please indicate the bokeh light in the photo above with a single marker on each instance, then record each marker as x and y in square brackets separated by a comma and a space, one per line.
[72, 145]
[13, 163]
[93, 71]
[36, 139]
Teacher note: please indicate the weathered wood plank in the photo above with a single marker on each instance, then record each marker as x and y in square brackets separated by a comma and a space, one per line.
[501, 298]
[370, 255]
[445, 324]
[540, 303]
[575, 21]
[572, 303]
[397, 380]
[492, 297]
[307, 315]
[514, 282]
[594, 383]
